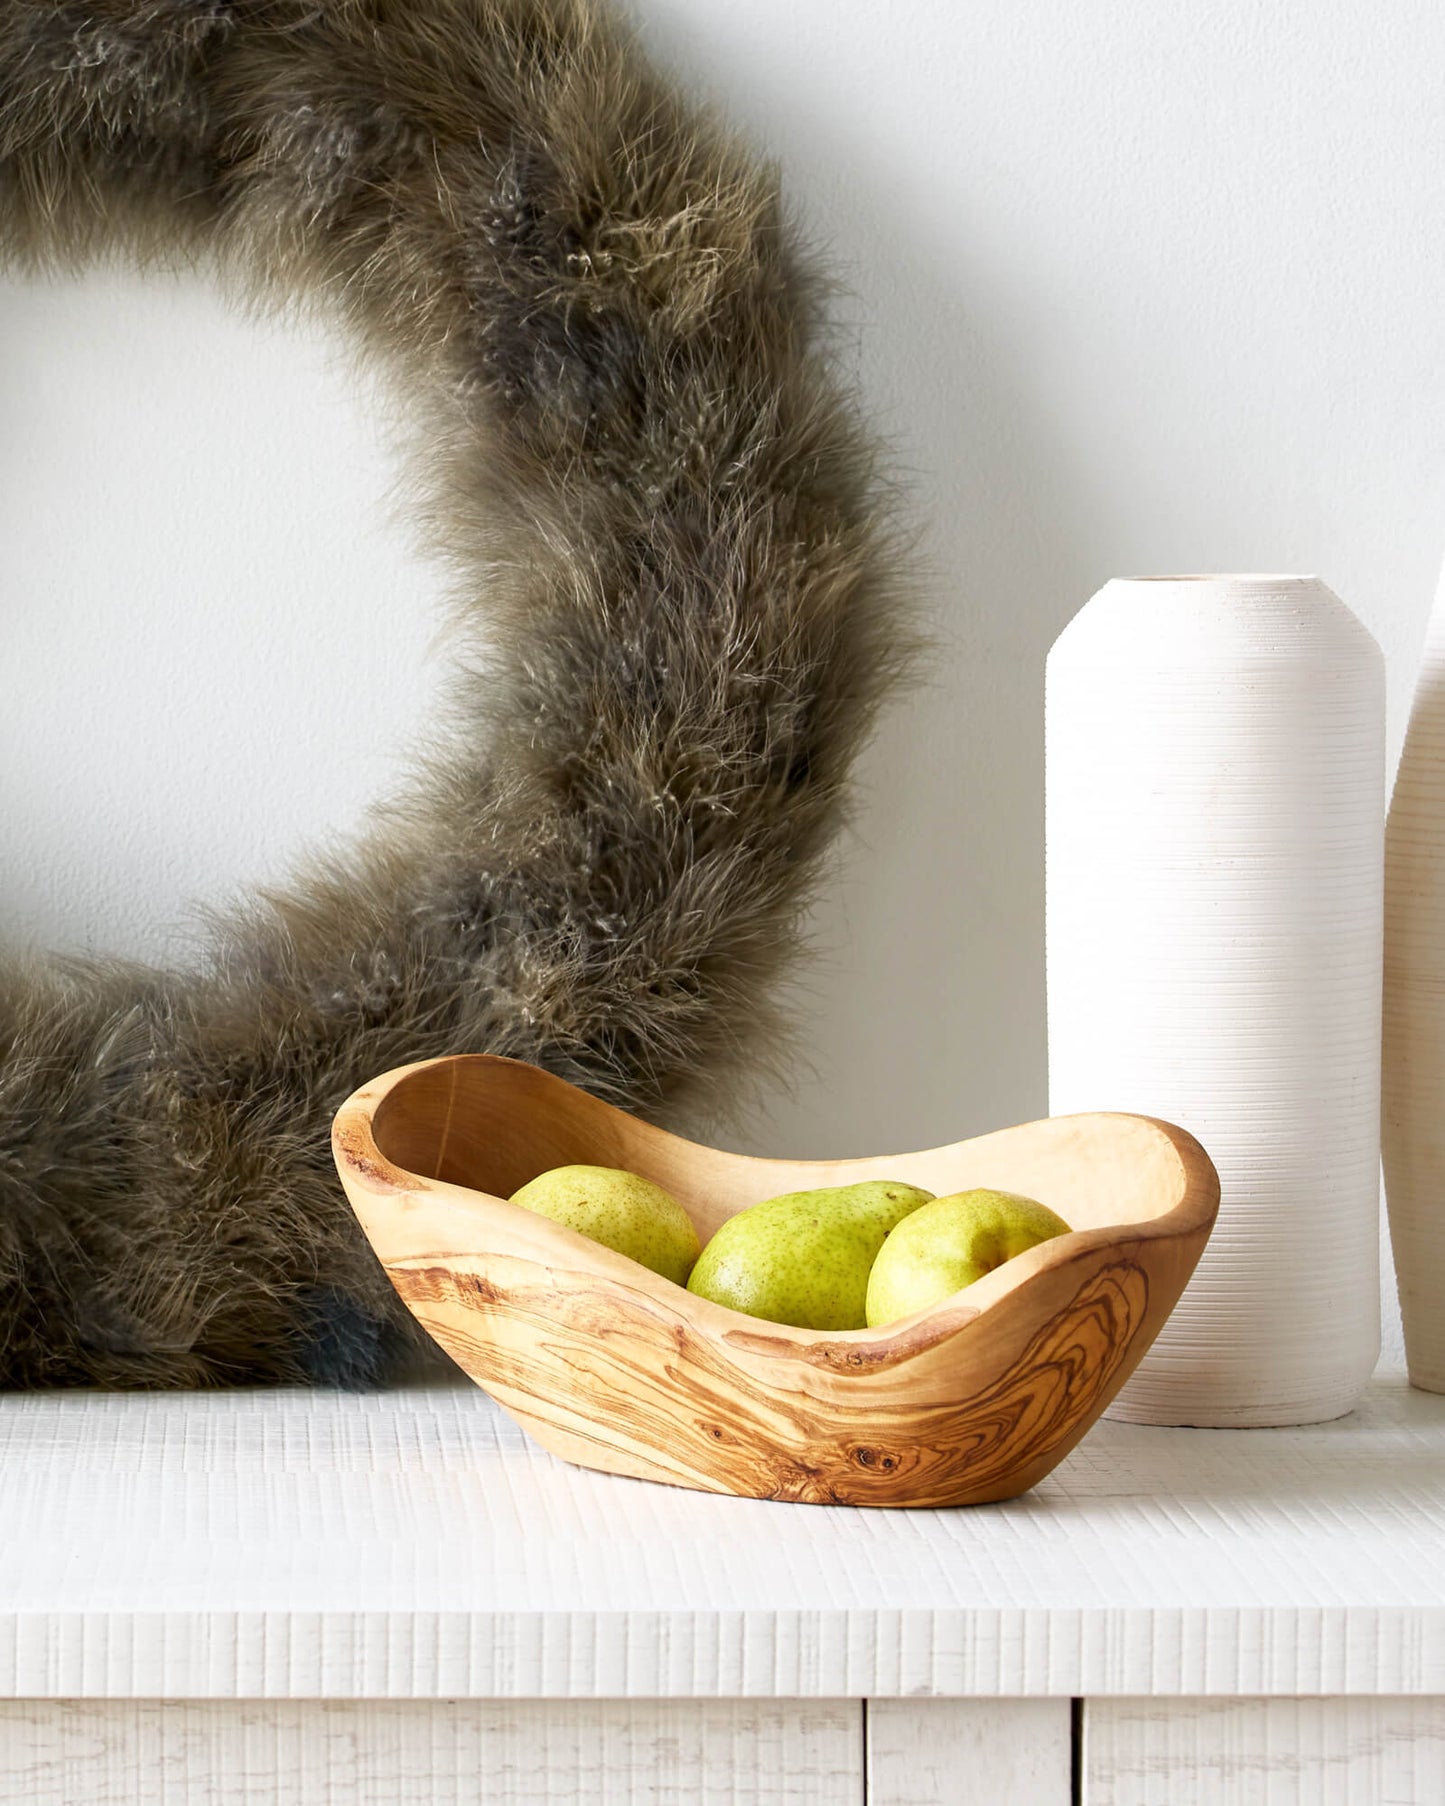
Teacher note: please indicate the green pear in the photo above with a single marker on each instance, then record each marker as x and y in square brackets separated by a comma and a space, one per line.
[621, 1210]
[950, 1243]
[803, 1258]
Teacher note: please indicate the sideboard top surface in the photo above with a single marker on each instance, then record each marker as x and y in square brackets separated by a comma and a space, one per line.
[412, 1543]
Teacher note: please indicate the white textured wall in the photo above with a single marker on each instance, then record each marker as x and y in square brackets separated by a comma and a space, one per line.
[1135, 287]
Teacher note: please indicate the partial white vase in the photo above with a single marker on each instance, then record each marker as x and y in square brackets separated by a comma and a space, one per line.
[1215, 828]
[1414, 1080]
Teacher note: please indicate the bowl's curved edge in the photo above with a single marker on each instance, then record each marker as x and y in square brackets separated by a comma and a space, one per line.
[402, 1216]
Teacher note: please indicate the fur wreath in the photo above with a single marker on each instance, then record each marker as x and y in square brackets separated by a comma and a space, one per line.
[656, 500]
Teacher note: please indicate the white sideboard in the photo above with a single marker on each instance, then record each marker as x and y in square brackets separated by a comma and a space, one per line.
[312, 1597]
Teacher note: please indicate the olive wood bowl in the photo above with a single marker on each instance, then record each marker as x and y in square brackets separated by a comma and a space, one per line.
[612, 1366]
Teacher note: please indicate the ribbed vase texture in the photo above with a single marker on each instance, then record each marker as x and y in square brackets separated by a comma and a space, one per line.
[1215, 829]
[1414, 1081]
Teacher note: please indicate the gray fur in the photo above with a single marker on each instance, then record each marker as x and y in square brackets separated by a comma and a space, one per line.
[657, 503]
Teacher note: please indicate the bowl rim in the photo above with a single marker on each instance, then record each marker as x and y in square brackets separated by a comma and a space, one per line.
[366, 1169]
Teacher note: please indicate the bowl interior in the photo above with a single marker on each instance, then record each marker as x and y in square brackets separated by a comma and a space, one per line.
[490, 1125]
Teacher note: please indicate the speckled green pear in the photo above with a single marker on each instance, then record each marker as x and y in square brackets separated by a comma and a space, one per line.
[950, 1243]
[621, 1210]
[803, 1258]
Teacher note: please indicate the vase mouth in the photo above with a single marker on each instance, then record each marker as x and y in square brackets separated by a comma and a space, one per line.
[1227, 577]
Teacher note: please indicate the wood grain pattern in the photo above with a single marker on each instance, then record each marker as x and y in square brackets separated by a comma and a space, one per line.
[442, 1753]
[612, 1366]
[1257, 1752]
[945, 1752]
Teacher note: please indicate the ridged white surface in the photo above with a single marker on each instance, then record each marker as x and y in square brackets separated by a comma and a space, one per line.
[1215, 759]
[413, 1544]
[1413, 1122]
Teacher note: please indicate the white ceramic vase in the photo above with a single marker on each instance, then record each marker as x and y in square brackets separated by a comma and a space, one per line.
[1215, 817]
[1413, 1123]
